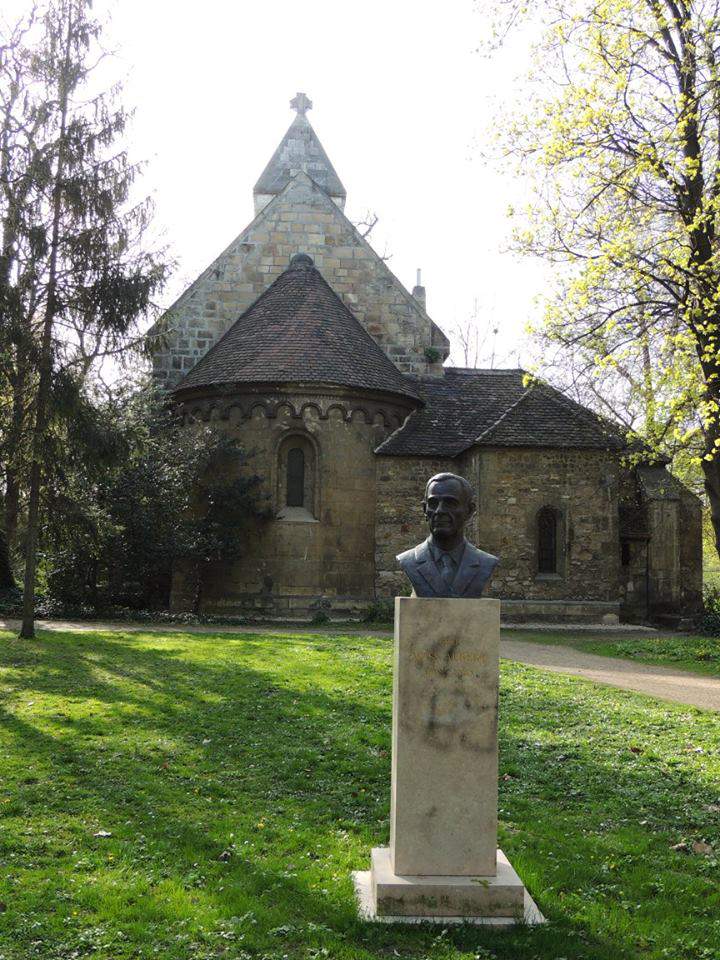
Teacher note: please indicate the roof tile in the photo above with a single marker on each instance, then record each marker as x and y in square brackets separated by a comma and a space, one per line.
[496, 408]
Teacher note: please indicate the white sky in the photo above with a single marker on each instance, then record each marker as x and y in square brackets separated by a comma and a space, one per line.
[403, 105]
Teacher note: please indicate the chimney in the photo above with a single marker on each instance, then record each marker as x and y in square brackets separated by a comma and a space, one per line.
[419, 291]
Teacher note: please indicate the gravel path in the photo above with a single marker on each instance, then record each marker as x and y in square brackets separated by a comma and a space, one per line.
[665, 683]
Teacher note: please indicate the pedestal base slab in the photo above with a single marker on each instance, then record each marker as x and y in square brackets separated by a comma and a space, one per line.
[501, 900]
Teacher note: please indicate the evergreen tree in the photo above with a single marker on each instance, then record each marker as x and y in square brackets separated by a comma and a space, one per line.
[78, 279]
[16, 134]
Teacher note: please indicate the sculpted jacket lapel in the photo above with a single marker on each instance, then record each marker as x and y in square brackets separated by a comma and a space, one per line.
[427, 569]
[469, 568]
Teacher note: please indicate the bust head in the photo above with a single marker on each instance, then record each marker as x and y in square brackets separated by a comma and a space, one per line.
[448, 504]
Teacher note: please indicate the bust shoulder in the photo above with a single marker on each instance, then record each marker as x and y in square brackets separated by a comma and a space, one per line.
[407, 556]
[417, 554]
[481, 555]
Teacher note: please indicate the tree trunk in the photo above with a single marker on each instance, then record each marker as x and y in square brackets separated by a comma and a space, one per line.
[7, 258]
[92, 584]
[711, 472]
[706, 346]
[27, 630]
[12, 474]
[199, 581]
[12, 507]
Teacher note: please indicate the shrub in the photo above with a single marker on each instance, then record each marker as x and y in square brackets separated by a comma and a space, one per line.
[380, 612]
[432, 354]
[174, 493]
[711, 617]
[11, 602]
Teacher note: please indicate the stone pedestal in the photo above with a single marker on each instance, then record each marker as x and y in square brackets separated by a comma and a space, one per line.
[443, 860]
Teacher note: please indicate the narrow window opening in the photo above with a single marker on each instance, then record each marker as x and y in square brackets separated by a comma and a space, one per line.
[547, 540]
[625, 553]
[296, 477]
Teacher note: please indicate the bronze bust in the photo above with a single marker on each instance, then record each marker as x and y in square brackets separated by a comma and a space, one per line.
[446, 564]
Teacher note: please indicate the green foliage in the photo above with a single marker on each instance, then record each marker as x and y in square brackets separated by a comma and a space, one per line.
[209, 796]
[711, 617]
[432, 354]
[10, 602]
[381, 611]
[320, 617]
[76, 276]
[695, 653]
[7, 580]
[171, 493]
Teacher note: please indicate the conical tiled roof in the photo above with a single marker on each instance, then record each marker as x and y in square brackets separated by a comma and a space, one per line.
[299, 150]
[298, 331]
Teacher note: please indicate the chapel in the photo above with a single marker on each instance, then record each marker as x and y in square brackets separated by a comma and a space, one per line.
[299, 341]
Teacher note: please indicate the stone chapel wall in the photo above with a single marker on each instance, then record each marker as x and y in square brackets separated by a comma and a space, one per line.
[318, 558]
[691, 554]
[675, 554]
[582, 486]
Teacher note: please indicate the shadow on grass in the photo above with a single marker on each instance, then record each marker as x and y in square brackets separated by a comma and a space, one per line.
[191, 737]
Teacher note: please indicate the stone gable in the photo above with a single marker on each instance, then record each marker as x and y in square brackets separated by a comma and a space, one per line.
[301, 219]
[299, 150]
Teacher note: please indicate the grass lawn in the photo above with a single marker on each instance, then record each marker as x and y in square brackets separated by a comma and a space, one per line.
[207, 796]
[698, 654]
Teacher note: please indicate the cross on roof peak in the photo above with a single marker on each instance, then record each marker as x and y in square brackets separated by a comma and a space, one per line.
[301, 104]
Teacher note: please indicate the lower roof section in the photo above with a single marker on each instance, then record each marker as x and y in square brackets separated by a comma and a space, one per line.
[503, 408]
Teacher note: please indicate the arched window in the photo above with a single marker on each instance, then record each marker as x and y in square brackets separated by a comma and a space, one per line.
[547, 539]
[296, 477]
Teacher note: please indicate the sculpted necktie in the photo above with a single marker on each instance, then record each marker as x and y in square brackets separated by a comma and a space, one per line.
[447, 571]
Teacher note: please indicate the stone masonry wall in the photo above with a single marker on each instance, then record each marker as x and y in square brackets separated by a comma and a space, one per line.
[691, 554]
[634, 580]
[302, 219]
[514, 484]
[675, 555]
[311, 558]
[634, 537]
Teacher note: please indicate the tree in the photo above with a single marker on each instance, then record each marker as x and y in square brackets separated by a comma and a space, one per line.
[7, 580]
[476, 343]
[76, 277]
[155, 493]
[622, 140]
[15, 186]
